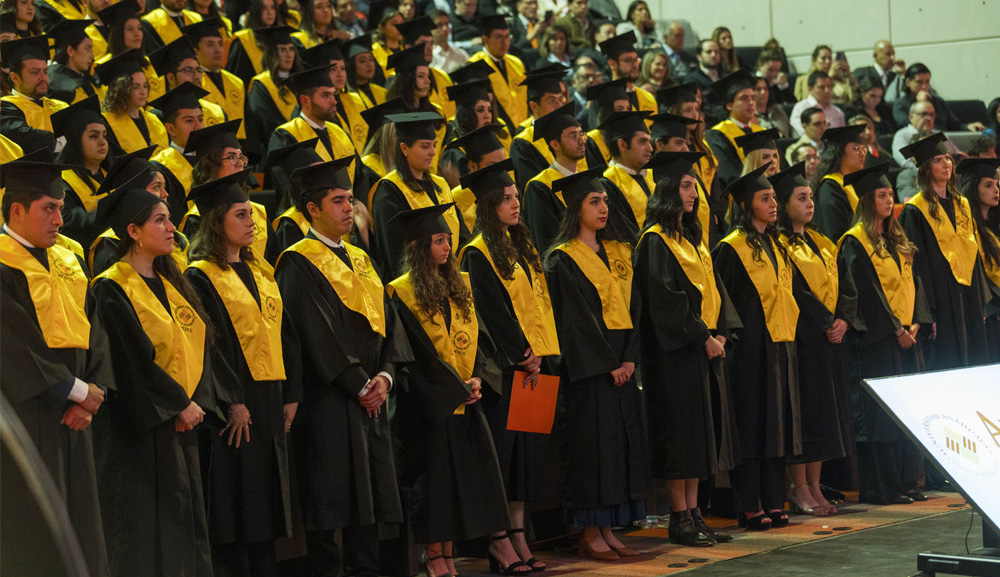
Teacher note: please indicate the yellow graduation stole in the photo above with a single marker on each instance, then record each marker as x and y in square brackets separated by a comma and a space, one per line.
[613, 285]
[339, 140]
[259, 215]
[439, 95]
[178, 337]
[353, 105]
[100, 45]
[706, 171]
[234, 99]
[423, 200]
[381, 54]
[374, 162]
[377, 91]
[704, 212]
[896, 280]
[128, 134]
[69, 11]
[511, 95]
[598, 139]
[36, 115]
[547, 177]
[293, 19]
[295, 216]
[819, 270]
[731, 131]
[647, 102]
[696, 262]
[456, 346]
[992, 271]
[781, 313]
[9, 150]
[165, 26]
[178, 166]
[303, 37]
[360, 289]
[285, 104]
[258, 328]
[838, 178]
[466, 203]
[70, 245]
[179, 254]
[86, 193]
[957, 243]
[59, 294]
[531, 302]
[212, 112]
[254, 53]
[634, 194]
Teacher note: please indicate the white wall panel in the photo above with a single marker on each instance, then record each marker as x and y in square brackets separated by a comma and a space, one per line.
[802, 24]
[926, 21]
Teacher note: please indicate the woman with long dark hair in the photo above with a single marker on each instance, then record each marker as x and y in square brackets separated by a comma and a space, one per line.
[270, 102]
[979, 187]
[246, 468]
[728, 59]
[86, 150]
[757, 273]
[387, 40]
[128, 91]
[870, 101]
[124, 28]
[836, 202]
[161, 343]
[597, 309]
[450, 468]
[26, 24]
[827, 308]
[638, 19]
[685, 326]
[246, 54]
[877, 255]
[508, 281]
[760, 149]
[474, 109]
[317, 25]
[69, 73]
[359, 61]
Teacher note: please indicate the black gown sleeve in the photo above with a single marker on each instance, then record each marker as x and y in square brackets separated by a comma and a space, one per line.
[528, 162]
[920, 234]
[665, 289]
[495, 309]
[620, 214]
[833, 211]
[730, 165]
[78, 224]
[874, 315]
[387, 202]
[594, 157]
[239, 62]
[14, 126]
[542, 214]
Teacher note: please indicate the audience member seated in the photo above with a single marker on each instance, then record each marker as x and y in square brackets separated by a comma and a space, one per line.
[803, 152]
[921, 125]
[554, 49]
[526, 28]
[770, 115]
[868, 100]
[579, 25]
[917, 88]
[638, 20]
[584, 75]
[769, 67]
[814, 124]
[707, 72]
[820, 94]
[681, 63]
[981, 147]
[654, 72]
[466, 29]
[728, 60]
[993, 121]
[886, 68]
[844, 84]
[447, 57]
[822, 60]
[875, 154]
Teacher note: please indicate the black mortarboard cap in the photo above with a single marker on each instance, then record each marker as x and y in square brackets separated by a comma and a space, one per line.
[551, 126]
[486, 180]
[374, 117]
[978, 168]
[474, 71]
[422, 222]
[470, 92]
[126, 167]
[209, 27]
[204, 140]
[358, 45]
[786, 181]
[224, 191]
[122, 205]
[674, 95]
[415, 125]
[33, 177]
[119, 12]
[624, 124]
[166, 58]
[579, 184]
[667, 126]
[545, 82]
[125, 64]
[480, 141]
[294, 156]
[665, 164]
[31, 48]
[612, 48]
[274, 35]
[869, 179]
[925, 149]
[729, 85]
[331, 174]
[420, 26]
[843, 135]
[68, 32]
[322, 54]
[407, 60]
[496, 22]
[376, 9]
[316, 77]
[184, 96]
[70, 119]
[763, 139]
[607, 93]
[8, 20]
[744, 187]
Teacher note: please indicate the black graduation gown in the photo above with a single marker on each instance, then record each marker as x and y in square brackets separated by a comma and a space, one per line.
[605, 457]
[525, 458]
[730, 165]
[239, 62]
[33, 379]
[595, 158]
[78, 224]
[346, 474]
[834, 215]
[159, 525]
[958, 310]
[63, 83]
[528, 162]
[247, 489]
[762, 373]
[449, 474]
[687, 437]
[14, 126]
[993, 312]
[542, 213]
[262, 117]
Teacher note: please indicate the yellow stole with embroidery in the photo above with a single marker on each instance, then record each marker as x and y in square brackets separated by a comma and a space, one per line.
[957, 243]
[896, 280]
[849, 192]
[774, 288]
[819, 270]
[696, 262]
[614, 285]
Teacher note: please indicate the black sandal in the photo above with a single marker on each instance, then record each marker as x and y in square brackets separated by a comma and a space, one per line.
[512, 569]
[530, 562]
[756, 523]
[778, 518]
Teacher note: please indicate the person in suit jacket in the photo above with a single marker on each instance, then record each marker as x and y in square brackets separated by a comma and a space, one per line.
[886, 68]
[681, 63]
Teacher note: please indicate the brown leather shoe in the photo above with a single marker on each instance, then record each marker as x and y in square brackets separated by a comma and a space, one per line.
[585, 550]
[625, 551]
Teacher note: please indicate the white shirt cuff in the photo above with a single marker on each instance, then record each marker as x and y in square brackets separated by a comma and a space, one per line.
[368, 387]
[78, 393]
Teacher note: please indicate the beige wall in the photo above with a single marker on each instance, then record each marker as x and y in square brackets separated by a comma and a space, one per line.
[959, 40]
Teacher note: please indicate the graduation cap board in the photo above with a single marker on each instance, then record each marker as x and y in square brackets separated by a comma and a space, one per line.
[68, 32]
[552, 125]
[322, 54]
[664, 164]
[376, 115]
[225, 191]
[666, 126]
[184, 96]
[869, 179]
[478, 70]
[760, 140]
[123, 205]
[545, 82]
[622, 125]
[415, 29]
[978, 168]
[786, 181]
[423, 222]
[480, 141]
[204, 140]
[332, 174]
[490, 179]
[674, 95]
[126, 167]
[470, 92]
[607, 93]
[76, 116]
[318, 77]
[294, 156]
[125, 64]
[730, 85]
[407, 60]
[358, 45]
[926, 149]
[167, 58]
[415, 125]
[579, 185]
[613, 48]
[31, 48]
[119, 12]
[744, 187]
[24, 179]
[491, 23]
[207, 28]
[844, 135]
[274, 35]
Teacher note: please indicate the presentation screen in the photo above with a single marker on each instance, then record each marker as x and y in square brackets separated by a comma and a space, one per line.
[954, 417]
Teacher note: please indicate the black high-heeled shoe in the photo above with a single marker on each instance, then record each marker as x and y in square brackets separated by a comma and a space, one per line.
[760, 522]
[778, 518]
[699, 523]
[497, 567]
[531, 561]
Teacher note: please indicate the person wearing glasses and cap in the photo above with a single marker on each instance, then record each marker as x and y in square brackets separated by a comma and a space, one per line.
[343, 348]
[837, 203]
[182, 114]
[56, 365]
[624, 63]
[508, 70]
[606, 98]
[25, 113]
[978, 183]
[69, 73]
[177, 64]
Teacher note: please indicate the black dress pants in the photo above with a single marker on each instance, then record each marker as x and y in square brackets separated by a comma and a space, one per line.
[759, 484]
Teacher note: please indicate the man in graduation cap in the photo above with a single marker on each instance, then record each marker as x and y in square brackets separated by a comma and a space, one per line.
[162, 25]
[291, 225]
[482, 147]
[736, 90]
[416, 32]
[358, 58]
[342, 342]
[628, 184]
[25, 113]
[177, 64]
[225, 89]
[544, 91]
[55, 362]
[507, 70]
[69, 73]
[562, 135]
[623, 60]
[836, 201]
[605, 98]
[182, 114]
[372, 164]
[349, 105]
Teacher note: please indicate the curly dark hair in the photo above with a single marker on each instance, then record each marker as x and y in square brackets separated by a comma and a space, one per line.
[829, 162]
[507, 248]
[209, 243]
[756, 239]
[118, 99]
[665, 206]
[433, 284]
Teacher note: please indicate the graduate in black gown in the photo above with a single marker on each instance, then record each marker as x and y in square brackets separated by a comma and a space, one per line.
[291, 225]
[342, 346]
[69, 73]
[514, 305]
[597, 311]
[686, 322]
[628, 184]
[827, 310]
[979, 187]
[167, 386]
[879, 257]
[479, 148]
[269, 102]
[378, 155]
[55, 368]
[475, 109]
[531, 155]
[448, 466]
[836, 202]
[245, 462]
[246, 51]
[757, 273]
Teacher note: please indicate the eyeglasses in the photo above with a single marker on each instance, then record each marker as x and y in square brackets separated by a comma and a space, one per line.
[191, 70]
[925, 114]
[577, 135]
[236, 159]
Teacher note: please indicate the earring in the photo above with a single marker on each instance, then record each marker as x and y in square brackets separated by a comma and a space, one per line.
[138, 241]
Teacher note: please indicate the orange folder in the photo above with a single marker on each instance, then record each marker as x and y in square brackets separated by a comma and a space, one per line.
[532, 411]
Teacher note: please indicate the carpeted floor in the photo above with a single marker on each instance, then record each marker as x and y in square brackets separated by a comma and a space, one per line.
[660, 557]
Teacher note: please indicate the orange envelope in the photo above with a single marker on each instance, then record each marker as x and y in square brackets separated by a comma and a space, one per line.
[532, 411]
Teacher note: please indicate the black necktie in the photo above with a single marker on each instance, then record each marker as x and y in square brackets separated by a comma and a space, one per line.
[341, 253]
[503, 68]
[179, 20]
[747, 129]
[642, 184]
[216, 78]
[324, 137]
[633, 99]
